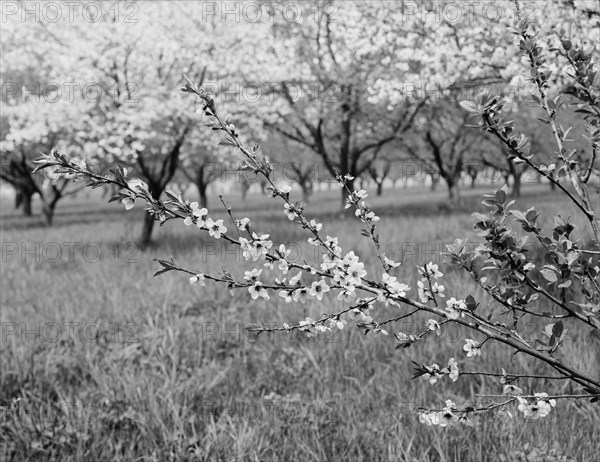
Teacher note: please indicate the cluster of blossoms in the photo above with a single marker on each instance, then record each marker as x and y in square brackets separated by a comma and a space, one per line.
[426, 293]
[199, 217]
[283, 254]
[256, 289]
[472, 348]
[434, 326]
[539, 406]
[363, 212]
[427, 288]
[390, 263]
[256, 248]
[318, 289]
[433, 372]
[394, 287]
[315, 225]
[243, 224]
[348, 272]
[298, 294]
[289, 212]
[446, 417]
[311, 327]
[355, 196]
[430, 271]
[455, 308]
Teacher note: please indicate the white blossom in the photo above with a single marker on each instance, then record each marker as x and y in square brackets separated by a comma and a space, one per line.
[472, 348]
[198, 279]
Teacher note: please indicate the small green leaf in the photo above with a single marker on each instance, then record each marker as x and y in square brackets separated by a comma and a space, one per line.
[549, 275]
[501, 195]
[557, 329]
[469, 106]
[471, 303]
[531, 215]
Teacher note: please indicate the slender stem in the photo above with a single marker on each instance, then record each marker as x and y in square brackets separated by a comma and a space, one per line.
[517, 376]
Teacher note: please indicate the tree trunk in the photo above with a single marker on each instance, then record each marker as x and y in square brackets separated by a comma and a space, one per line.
[26, 204]
[346, 133]
[146, 237]
[50, 198]
[473, 180]
[23, 200]
[434, 182]
[379, 188]
[203, 197]
[202, 186]
[516, 187]
[48, 209]
[148, 226]
[244, 187]
[307, 190]
[453, 193]
[263, 187]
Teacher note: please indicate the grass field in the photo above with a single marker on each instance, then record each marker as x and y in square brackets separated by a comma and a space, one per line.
[156, 369]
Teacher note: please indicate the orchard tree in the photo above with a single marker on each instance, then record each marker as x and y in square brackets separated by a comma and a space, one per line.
[205, 162]
[321, 75]
[472, 171]
[441, 141]
[379, 175]
[293, 162]
[37, 115]
[126, 74]
[495, 155]
[508, 167]
[143, 123]
[33, 127]
[202, 168]
[349, 81]
[482, 60]
[383, 168]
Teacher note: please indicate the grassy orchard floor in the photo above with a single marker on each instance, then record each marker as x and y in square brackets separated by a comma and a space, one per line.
[183, 380]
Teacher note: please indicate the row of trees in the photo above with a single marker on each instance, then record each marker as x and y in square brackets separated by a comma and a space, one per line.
[347, 90]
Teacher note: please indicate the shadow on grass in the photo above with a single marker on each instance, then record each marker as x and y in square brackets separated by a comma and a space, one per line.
[403, 203]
